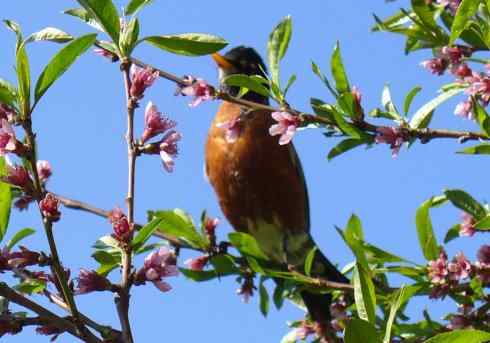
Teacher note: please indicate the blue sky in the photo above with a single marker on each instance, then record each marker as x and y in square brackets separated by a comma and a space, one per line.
[81, 124]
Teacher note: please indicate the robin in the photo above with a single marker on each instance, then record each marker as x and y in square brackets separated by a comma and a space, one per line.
[260, 184]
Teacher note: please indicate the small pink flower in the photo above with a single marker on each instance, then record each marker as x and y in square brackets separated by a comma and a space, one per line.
[391, 135]
[304, 330]
[23, 258]
[451, 4]
[479, 87]
[169, 150]
[198, 263]
[438, 269]
[91, 281]
[120, 225]
[247, 288]
[459, 268]
[458, 322]
[107, 54]
[158, 265]
[286, 126]
[7, 112]
[462, 71]
[155, 122]
[210, 225]
[465, 109]
[439, 291]
[357, 99]
[43, 170]
[8, 142]
[198, 88]
[483, 264]
[141, 79]
[436, 66]
[467, 227]
[453, 54]
[232, 127]
[17, 176]
[49, 207]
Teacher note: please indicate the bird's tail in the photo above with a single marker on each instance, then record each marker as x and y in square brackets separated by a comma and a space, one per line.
[318, 304]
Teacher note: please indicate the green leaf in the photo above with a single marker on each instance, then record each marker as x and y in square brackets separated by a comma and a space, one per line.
[188, 44]
[224, 265]
[20, 235]
[344, 146]
[482, 118]
[135, 6]
[31, 286]
[484, 223]
[395, 305]
[245, 81]
[5, 200]
[8, 93]
[178, 224]
[85, 16]
[199, 276]
[466, 10]
[355, 246]
[316, 70]
[14, 27]
[354, 228]
[364, 294]
[105, 13]
[278, 45]
[409, 98]
[452, 233]
[129, 37]
[338, 71]
[309, 260]
[346, 127]
[421, 118]
[461, 336]
[479, 149]
[387, 102]
[290, 82]
[24, 80]
[106, 258]
[246, 244]
[466, 202]
[263, 297]
[381, 256]
[106, 242]
[145, 233]
[278, 296]
[50, 34]
[290, 337]
[427, 239]
[60, 63]
[360, 331]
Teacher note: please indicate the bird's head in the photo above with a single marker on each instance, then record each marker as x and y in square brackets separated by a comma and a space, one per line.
[239, 60]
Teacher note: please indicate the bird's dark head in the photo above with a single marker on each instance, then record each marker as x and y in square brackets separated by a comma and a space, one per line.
[239, 60]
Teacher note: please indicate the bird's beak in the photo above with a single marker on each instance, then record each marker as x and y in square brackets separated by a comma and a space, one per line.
[222, 62]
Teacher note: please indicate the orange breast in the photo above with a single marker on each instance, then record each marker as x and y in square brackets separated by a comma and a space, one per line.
[254, 177]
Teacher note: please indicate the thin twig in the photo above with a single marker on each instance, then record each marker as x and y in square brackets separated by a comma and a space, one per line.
[60, 323]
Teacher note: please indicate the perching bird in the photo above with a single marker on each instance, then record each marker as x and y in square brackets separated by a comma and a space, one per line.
[260, 184]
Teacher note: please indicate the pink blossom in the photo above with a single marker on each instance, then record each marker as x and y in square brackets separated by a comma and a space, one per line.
[247, 288]
[155, 122]
[49, 207]
[158, 265]
[197, 263]
[479, 87]
[439, 291]
[23, 258]
[458, 322]
[49, 330]
[120, 225]
[169, 150]
[8, 142]
[43, 170]
[453, 54]
[465, 109]
[391, 135]
[23, 202]
[459, 268]
[91, 281]
[141, 79]
[357, 99]
[210, 225]
[17, 176]
[198, 88]
[438, 269]
[7, 112]
[462, 71]
[435, 65]
[233, 129]
[483, 264]
[467, 227]
[304, 330]
[451, 4]
[286, 126]
[107, 54]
